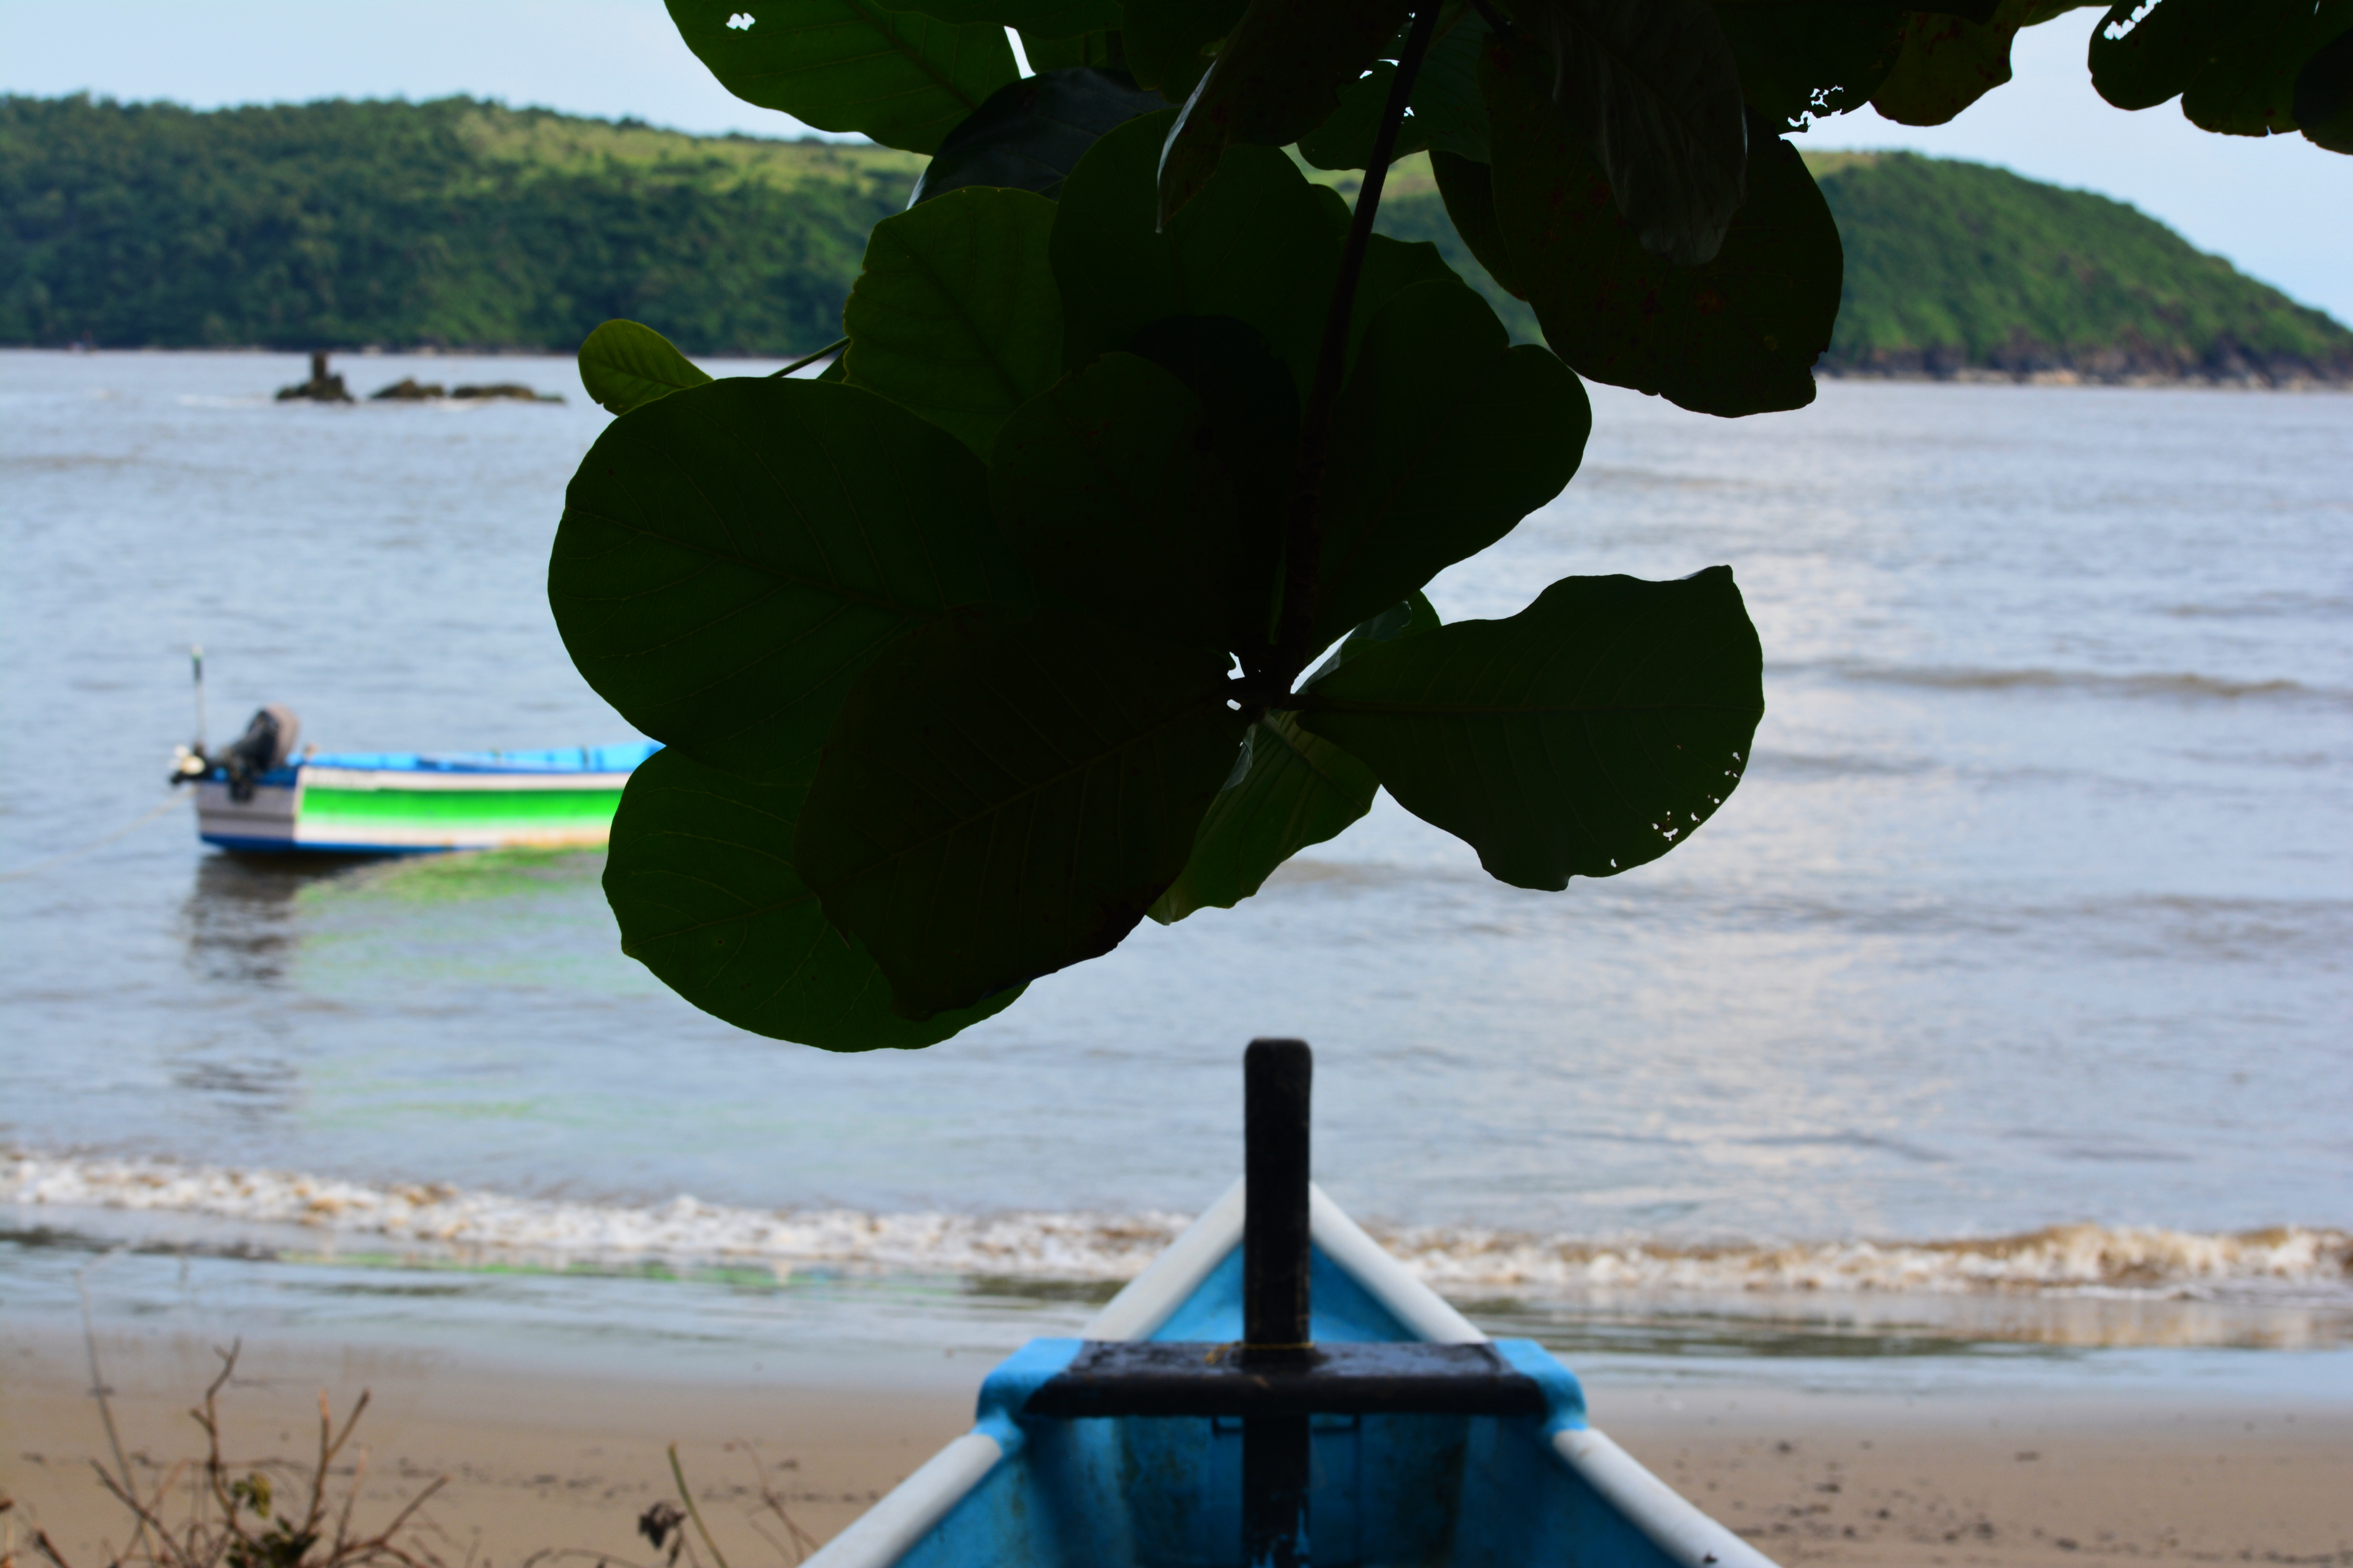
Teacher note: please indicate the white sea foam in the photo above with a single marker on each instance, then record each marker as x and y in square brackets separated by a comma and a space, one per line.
[2123, 1261]
[2135, 1261]
[1045, 1246]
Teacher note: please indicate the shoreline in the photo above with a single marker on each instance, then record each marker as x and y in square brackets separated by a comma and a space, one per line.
[260, 1212]
[543, 1458]
[1964, 375]
[362, 351]
[1990, 375]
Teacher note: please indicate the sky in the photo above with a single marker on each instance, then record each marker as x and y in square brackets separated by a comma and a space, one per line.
[2278, 208]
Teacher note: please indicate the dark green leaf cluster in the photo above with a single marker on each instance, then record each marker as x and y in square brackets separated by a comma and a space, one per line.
[1087, 585]
[944, 651]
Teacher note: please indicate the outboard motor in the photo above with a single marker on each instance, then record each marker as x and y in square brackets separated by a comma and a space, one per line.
[267, 742]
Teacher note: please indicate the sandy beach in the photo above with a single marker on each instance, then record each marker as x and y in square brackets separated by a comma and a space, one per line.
[566, 1460]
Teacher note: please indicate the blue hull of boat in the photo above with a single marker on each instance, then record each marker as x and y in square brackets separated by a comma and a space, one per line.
[1386, 1489]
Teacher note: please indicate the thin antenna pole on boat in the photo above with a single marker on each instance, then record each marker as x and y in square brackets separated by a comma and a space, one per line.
[196, 659]
[1278, 1077]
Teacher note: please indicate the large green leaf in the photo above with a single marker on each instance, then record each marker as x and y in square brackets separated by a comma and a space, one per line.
[1410, 616]
[1345, 141]
[625, 364]
[900, 77]
[1944, 64]
[1099, 50]
[1391, 267]
[1288, 790]
[1262, 245]
[700, 878]
[1132, 498]
[1246, 391]
[1589, 733]
[1296, 789]
[956, 315]
[2324, 95]
[1444, 112]
[1448, 110]
[1116, 272]
[732, 554]
[1468, 189]
[1801, 62]
[1738, 335]
[1445, 436]
[2142, 54]
[1030, 135]
[1259, 245]
[2234, 63]
[1047, 19]
[2248, 87]
[1654, 89]
[1002, 798]
[1169, 43]
[1277, 77]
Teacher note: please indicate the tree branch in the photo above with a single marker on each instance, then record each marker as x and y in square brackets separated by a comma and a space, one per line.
[1303, 544]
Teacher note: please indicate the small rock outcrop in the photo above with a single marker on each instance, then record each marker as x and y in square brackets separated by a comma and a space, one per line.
[411, 390]
[320, 388]
[513, 389]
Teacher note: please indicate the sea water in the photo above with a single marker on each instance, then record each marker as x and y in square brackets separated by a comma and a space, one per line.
[2003, 1009]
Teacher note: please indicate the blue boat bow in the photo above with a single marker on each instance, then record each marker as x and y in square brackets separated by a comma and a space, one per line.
[1164, 1492]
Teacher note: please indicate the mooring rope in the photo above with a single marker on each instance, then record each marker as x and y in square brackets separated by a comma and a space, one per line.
[122, 832]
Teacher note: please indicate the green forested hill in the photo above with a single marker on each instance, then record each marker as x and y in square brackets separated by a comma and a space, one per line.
[453, 222]
[459, 222]
[1951, 265]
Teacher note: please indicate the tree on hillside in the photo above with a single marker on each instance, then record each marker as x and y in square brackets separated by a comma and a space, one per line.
[452, 223]
[1085, 586]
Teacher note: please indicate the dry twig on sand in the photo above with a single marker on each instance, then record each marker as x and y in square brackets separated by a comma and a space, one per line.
[799, 1542]
[279, 1513]
[235, 1517]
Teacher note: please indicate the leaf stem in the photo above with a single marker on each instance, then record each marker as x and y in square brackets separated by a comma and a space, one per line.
[807, 360]
[1303, 546]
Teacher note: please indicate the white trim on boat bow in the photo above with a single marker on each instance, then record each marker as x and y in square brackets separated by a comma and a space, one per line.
[1680, 1530]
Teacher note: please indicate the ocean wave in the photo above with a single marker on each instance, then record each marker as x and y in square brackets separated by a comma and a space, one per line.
[1040, 1245]
[2178, 686]
[2145, 1262]
[2120, 1259]
[2263, 606]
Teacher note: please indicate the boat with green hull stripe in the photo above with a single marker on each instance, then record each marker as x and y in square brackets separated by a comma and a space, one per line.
[258, 796]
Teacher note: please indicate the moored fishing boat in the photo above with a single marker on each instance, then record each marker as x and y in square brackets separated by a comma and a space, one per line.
[259, 794]
[1276, 1389]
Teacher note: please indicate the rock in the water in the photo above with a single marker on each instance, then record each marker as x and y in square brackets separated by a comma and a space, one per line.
[320, 388]
[513, 389]
[408, 389]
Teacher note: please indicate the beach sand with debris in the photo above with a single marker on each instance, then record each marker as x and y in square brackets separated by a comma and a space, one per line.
[568, 1461]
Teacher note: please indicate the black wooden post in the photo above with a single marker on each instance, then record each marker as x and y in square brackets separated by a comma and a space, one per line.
[1277, 1077]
